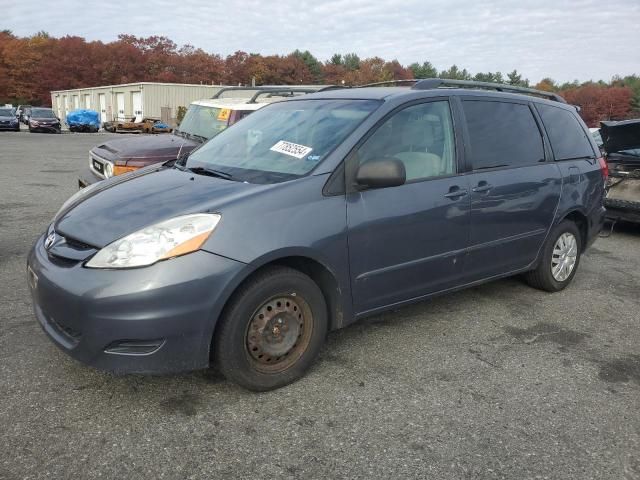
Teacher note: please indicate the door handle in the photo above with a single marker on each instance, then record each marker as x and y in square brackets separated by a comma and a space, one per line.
[455, 192]
[482, 187]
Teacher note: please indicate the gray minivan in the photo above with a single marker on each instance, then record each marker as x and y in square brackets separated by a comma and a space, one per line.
[310, 214]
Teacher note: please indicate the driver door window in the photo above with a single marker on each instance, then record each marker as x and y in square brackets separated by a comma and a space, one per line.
[420, 136]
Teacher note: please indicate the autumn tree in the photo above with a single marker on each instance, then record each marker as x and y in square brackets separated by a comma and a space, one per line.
[599, 103]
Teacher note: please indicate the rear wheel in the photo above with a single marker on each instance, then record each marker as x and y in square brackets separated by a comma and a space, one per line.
[560, 259]
[272, 330]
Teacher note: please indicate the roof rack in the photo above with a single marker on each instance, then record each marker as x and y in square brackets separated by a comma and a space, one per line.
[430, 83]
[388, 82]
[291, 89]
[288, 91]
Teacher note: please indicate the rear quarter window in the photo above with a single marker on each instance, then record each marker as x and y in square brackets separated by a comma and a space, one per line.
[567, 136]
[502, 134]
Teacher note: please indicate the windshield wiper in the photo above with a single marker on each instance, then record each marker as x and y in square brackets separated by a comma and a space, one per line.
[199, 137]
[210, 172]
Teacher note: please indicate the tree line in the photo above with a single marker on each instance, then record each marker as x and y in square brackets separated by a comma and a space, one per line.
[31, 67]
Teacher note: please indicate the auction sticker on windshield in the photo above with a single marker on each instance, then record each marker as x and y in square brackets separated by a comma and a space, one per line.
[291, 149]
[224, 114]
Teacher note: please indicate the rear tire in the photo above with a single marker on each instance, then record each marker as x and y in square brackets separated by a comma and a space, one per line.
[272, 330]
[560, 259]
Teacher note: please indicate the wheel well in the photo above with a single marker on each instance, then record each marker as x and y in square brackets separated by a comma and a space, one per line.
[582, 223]
[320, 275]
[325, 280]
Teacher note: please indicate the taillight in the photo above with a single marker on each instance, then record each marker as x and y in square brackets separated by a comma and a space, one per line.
[604, 168]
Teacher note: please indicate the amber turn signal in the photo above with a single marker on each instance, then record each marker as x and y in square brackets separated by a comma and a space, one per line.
[119, 170]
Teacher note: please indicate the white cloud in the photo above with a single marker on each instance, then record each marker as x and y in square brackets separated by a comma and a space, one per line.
[563, 39]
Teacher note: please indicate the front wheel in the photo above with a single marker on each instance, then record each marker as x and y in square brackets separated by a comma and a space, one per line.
[560, 259]
[272, 330]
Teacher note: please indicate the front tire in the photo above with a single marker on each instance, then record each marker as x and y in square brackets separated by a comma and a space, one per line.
[272, 330]
[560, 259]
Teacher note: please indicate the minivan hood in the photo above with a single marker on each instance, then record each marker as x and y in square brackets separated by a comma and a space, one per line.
[122, 205]
[149, 148]
[618, 136]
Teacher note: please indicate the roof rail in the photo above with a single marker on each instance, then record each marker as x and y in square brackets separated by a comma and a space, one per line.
[430, 83]
[388, 82]
[274, 89]
[286, 91]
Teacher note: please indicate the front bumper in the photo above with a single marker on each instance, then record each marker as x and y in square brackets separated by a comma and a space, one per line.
[10, 127]
[87, 177]
[157, 319]
[45, 128]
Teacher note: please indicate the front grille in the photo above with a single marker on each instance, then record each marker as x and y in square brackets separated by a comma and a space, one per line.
[97, 166]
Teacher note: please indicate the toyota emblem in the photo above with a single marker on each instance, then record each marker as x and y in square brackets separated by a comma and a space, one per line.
[49, 240]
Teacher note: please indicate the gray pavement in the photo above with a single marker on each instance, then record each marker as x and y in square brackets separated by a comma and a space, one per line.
[500, 381]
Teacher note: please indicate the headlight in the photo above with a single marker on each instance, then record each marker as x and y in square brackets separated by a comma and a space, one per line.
[108, 169]
[74, 197]
[171, 238]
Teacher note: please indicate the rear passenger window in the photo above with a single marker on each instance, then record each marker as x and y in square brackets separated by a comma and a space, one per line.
[568, 138]
[502, 134]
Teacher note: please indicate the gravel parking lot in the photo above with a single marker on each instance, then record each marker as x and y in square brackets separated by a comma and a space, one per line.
[500, 381]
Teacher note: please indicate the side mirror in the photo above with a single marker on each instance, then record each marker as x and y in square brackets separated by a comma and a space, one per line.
[387, 172]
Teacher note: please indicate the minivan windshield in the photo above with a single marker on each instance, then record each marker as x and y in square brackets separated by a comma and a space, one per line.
[282, 141]
[6, 112]
[42, 113]
[203, 122]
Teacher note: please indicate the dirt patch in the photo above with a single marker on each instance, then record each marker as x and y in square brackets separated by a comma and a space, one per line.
[621, 370]
[546, 333]
[186, 404]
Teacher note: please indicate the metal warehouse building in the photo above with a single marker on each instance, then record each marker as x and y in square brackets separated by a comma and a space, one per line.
[158, 100]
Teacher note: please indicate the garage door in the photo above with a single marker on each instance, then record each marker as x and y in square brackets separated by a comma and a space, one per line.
[136, 101]
[120, 105]
[103, 107]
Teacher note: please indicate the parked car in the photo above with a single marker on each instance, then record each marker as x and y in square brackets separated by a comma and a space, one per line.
[204, 119]
[44, 120]
[310, 214]
[21, 113]
[8, 120]
[83, 120]
[135, 125]
[622, 146]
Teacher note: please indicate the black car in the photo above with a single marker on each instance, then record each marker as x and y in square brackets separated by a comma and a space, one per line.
[8, 120]
[44, 120]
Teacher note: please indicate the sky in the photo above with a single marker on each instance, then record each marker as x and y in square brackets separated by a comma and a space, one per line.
[562, 39]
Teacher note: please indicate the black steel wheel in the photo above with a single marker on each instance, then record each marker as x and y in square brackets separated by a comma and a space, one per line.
[272, 329]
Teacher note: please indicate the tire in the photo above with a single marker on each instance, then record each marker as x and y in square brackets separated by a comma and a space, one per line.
[272, 330]
[543, 277]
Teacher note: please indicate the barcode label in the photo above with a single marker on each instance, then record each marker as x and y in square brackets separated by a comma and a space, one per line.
[291, 149]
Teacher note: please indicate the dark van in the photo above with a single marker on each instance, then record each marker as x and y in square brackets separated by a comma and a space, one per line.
[310, 214]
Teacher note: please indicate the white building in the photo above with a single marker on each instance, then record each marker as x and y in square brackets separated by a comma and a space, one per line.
[158, 100]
